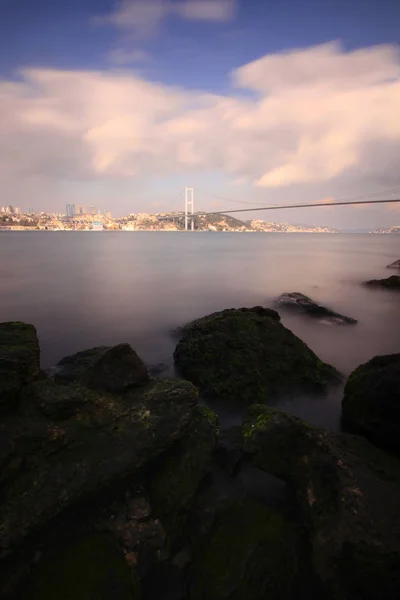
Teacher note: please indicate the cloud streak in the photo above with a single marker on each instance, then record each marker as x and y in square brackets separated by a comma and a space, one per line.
[143, 17]
[317, 116]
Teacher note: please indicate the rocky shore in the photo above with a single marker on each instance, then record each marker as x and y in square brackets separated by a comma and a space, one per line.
[116, 484]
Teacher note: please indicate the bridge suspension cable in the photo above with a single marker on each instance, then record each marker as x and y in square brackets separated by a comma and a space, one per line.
[310, 205]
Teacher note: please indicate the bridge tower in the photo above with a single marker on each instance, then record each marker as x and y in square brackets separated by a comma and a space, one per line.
[189, 208]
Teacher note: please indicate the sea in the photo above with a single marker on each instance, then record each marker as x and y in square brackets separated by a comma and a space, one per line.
[86, 289]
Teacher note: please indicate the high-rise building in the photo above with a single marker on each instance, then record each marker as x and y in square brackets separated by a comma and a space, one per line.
[2, 209]
[107, 214]
[10, 209]
[83, 209]
[93, 210]
[73, 210]
[17, 210]
[68, 210]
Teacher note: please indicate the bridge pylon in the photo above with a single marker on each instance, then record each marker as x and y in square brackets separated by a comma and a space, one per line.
[189, 208]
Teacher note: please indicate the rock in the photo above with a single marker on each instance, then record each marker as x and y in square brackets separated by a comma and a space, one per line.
[247, 355]
[173, 486]
[252, 553]
[113, 369]
[19, 359]
[90, 567]
[304, 304]
[347, 493]
[71, 368]
[391, 283]
[394, 265]
[55, 400]
[371, 403]
[50, 466]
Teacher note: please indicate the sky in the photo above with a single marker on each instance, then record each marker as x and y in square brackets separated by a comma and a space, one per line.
[121, 104]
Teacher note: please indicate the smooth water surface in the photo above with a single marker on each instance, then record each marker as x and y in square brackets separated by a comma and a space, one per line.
[84, 289]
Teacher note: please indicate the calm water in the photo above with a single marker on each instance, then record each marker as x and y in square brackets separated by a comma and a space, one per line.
[87, 289]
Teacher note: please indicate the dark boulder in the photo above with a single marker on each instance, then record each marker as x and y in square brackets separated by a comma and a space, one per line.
[304, 304]
[72, 368]
[371, 403]
[248, 355]
[56, 400]
[173, 485]
[347, 493]
[19, 359]
[113, 369]
[394, 265]
[50, 466]
[390, 283]
[251, 553]
[87, 568]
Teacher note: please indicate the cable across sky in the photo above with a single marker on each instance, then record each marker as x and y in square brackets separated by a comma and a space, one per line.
[310, 205]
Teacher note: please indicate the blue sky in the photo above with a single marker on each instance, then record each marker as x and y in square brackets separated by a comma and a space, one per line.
[184, 52]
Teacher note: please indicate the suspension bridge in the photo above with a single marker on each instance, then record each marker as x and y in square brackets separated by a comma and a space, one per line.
[189, 214]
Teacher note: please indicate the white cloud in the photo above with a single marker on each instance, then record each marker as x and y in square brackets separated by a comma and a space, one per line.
[143, 17]
[207, 10]
[121, 56]
[328, 118]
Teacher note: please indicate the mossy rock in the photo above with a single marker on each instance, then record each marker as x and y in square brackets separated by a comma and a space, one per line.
[252, 553]
[92, 568]
[19, 360]
[371, 403]
[346, 492]
[112, 369]
[173, 486]
[51, 466]
[249, 356]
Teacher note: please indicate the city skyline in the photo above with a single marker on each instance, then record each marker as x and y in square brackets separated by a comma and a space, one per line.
[245, 101]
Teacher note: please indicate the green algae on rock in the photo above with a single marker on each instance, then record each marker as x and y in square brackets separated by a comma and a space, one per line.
[371, 402]
[249, 356]
[112, 369]
[105, 440]
[346, 492]
[19, 359]
[173, 485]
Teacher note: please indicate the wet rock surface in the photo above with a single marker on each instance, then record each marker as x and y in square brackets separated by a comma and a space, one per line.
[346, 490]
[19, 360]
[394, 265]
[303, 304]
[390, 283]
[247, 355]
[117, 486]
[371, 403]
[111, 369]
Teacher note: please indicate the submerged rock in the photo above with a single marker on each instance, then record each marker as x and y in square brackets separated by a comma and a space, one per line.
[19, 359]
[371, 403]
[394, 265]
[391, 283]
[346, 491]
[113, 369]
[304, 304]
[249, 356]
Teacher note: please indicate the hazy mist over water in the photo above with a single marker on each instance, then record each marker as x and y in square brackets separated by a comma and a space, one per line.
[85, 289]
